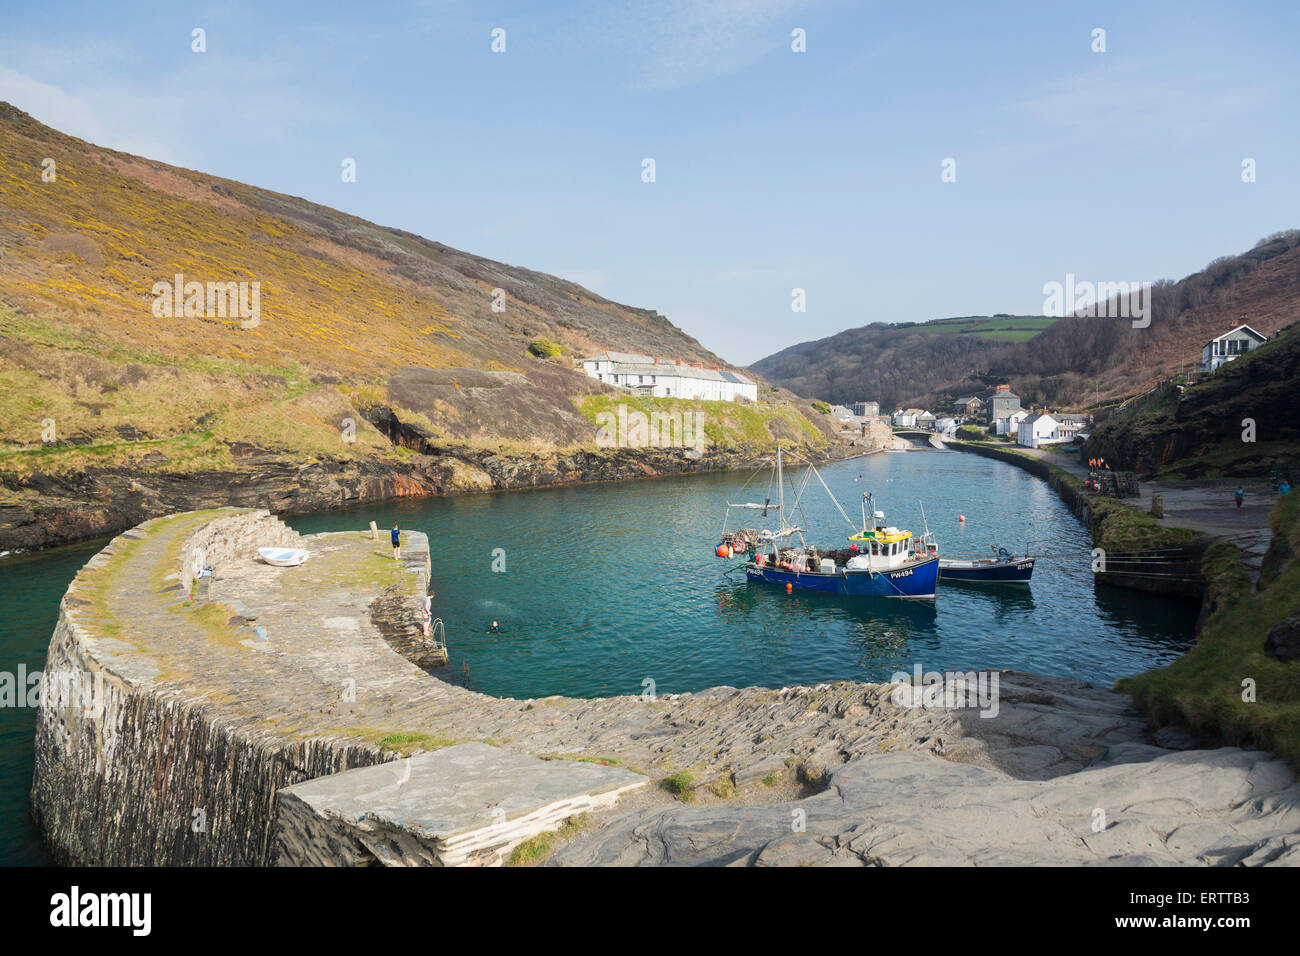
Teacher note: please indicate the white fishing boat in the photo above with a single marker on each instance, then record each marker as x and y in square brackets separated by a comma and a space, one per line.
[283, 557]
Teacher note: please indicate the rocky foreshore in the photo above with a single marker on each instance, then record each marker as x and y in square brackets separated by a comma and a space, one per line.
[40, 511]
[216, 702]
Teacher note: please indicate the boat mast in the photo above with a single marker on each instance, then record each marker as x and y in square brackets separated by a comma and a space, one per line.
[780, 487]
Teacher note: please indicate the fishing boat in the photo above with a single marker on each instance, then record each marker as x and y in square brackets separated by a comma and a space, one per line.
[283, 557]
[879, 560]
[1002, 568]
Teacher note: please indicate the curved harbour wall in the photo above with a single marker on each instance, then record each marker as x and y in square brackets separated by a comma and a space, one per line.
[263, 717]
[130, 767]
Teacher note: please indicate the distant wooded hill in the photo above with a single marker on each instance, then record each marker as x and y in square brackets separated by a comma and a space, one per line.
[1074, 361]
[892, 364]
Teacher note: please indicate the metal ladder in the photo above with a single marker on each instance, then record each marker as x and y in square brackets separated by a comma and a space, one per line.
[437, 635]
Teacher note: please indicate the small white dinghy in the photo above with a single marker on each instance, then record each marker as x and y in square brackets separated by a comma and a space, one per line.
[283, 557]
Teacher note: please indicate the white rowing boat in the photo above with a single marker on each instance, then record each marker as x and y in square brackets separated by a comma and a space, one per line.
[283, 557]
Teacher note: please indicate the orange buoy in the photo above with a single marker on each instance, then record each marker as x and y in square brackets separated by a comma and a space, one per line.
[961, 519]
[723, 551]
[789, 588]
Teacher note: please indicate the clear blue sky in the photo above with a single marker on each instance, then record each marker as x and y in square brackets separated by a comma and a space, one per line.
[775, 170]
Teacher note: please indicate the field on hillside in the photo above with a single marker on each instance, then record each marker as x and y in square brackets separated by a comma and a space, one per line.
[1000, 328]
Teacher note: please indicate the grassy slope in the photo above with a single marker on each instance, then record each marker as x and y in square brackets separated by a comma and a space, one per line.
[346, 307]
[1203, 689]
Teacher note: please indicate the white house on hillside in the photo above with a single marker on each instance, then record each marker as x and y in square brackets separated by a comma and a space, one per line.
[1229, 345]
[664, 378]
[905, 419]
[1040, 429]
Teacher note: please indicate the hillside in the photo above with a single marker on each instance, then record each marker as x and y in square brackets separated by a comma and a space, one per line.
[367, 361]
[891, 364]
[1077, 361]
[1196, 431]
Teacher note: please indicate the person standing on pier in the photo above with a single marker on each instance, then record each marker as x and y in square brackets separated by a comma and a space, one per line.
[1239, 494]
[397, 543]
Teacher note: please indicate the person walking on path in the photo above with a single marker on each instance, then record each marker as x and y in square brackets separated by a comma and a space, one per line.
[1239, 494]
[397, 543]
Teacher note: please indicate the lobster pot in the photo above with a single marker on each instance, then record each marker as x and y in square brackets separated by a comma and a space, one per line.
[828, 566]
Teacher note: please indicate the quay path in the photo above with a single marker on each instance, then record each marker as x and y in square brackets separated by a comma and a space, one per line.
[1205, 506]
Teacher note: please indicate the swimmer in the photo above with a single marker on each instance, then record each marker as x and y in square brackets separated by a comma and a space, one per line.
[495, 628]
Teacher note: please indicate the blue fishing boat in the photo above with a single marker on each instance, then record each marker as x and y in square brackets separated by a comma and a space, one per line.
[878, 561]
[1002, 568]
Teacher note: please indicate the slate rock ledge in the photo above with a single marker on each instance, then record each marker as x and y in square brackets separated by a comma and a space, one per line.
[262, 716]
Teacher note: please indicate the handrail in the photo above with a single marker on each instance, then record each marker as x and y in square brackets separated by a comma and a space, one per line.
[438, 635]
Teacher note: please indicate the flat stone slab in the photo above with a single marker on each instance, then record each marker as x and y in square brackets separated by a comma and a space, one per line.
[469, 803]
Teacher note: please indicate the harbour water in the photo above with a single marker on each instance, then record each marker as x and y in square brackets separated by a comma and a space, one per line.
[601, 588]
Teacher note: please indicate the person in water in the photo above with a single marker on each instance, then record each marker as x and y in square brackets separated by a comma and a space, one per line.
[495, 628]
[397, 543]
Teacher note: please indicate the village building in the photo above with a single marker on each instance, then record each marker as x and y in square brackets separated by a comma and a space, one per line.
[1000, 402]
[866, 409]
[666, 378]
[1010, 424]
[968, 405]
[1229, 346]
[905, 419]
[1038, 429]
[1069, 425]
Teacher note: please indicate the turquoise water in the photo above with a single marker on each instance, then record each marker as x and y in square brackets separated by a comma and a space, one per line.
[30, 589]
[606, 586]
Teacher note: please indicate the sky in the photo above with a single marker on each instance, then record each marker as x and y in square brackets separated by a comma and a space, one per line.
[774, 170]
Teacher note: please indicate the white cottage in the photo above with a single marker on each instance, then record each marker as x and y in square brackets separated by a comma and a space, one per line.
[1229, 345]
[1040, 429]
[664, 378]
[1010, 424]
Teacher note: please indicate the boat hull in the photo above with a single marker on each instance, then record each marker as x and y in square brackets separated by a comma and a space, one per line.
[283, 557]
[915, 581]
[997, 572]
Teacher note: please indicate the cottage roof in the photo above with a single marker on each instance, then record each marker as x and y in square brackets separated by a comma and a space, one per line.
[1240, 328]
[633, 357]
[681, 371]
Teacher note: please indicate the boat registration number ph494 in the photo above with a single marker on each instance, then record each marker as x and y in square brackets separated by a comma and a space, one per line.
[901, 574]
